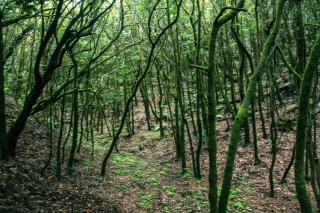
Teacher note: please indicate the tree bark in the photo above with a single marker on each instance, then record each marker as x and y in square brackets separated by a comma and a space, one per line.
[3, 128]
[242, 113]
[219, 21]
[299, 169]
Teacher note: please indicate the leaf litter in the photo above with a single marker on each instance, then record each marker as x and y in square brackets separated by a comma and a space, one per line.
[142, 177]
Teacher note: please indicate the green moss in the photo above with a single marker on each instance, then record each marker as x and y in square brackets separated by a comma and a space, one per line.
[303, 119]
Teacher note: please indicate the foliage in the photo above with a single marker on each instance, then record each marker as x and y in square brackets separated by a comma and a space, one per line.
[87, 69]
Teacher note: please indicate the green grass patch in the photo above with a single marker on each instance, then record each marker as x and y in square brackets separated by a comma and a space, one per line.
[138, 175]
[123, 171]
[186, 175]
[164, 171]
[234, 192]
[88, 164]
[128, 160]
[153, 181]
[152, 171]
[124, 160]
[197, 198]
[145, 201]
[252, 184]
[121, 187]
[238, 204]
[150, 135]
[170, 190]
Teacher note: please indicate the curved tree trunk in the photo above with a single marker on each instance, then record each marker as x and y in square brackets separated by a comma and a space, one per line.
[219, 21]
[242, 113]
[299, 169]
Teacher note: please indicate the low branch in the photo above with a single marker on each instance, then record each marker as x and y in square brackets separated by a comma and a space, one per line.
[287, 64]
[198, 67]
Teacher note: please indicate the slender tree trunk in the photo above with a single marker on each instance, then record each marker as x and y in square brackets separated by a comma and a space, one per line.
[200, 94]
[50, 124]
[62, 111]
[219, 21]
[242, 113]
[300, 182]
[75, 113]
[3, 128]
[273, 129]
[300, 40]
[160, 100]
[212, 141]
[309, 151]
[241, 90]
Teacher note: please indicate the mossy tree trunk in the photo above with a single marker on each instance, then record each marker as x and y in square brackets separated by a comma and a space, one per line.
[273, 127]
[159, 66]
[75, 112]
[257, 50]
[219, 21]
[3, 129]
[200, 94]
[302, 123]
[241, 81]
[242, 113]
[300, 40]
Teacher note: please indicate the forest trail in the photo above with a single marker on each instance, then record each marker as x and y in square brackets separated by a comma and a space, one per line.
[142, 177]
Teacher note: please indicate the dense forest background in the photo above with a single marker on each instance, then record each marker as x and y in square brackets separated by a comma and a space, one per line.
[106, 77]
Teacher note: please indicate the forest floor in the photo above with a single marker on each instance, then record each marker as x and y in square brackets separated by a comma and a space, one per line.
[143, 176]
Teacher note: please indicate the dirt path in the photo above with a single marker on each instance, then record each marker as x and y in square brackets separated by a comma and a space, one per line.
[145, 178]
[142, 177]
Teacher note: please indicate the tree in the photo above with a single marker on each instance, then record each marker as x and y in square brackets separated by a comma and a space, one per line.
[5, 23]
[219, 21]
[69, 37]
[3, 129]
[242, 113]
[303, 120]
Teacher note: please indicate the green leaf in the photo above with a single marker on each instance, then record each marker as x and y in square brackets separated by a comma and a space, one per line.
[219, 107]
[219, 116]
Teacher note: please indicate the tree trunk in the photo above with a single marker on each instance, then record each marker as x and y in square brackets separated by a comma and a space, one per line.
[18, 126]
[242, 113]
[219, 21]
[76, 112]
[3, 128]
[300, 182]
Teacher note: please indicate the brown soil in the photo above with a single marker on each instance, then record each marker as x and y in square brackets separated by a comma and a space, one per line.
[142, 177]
